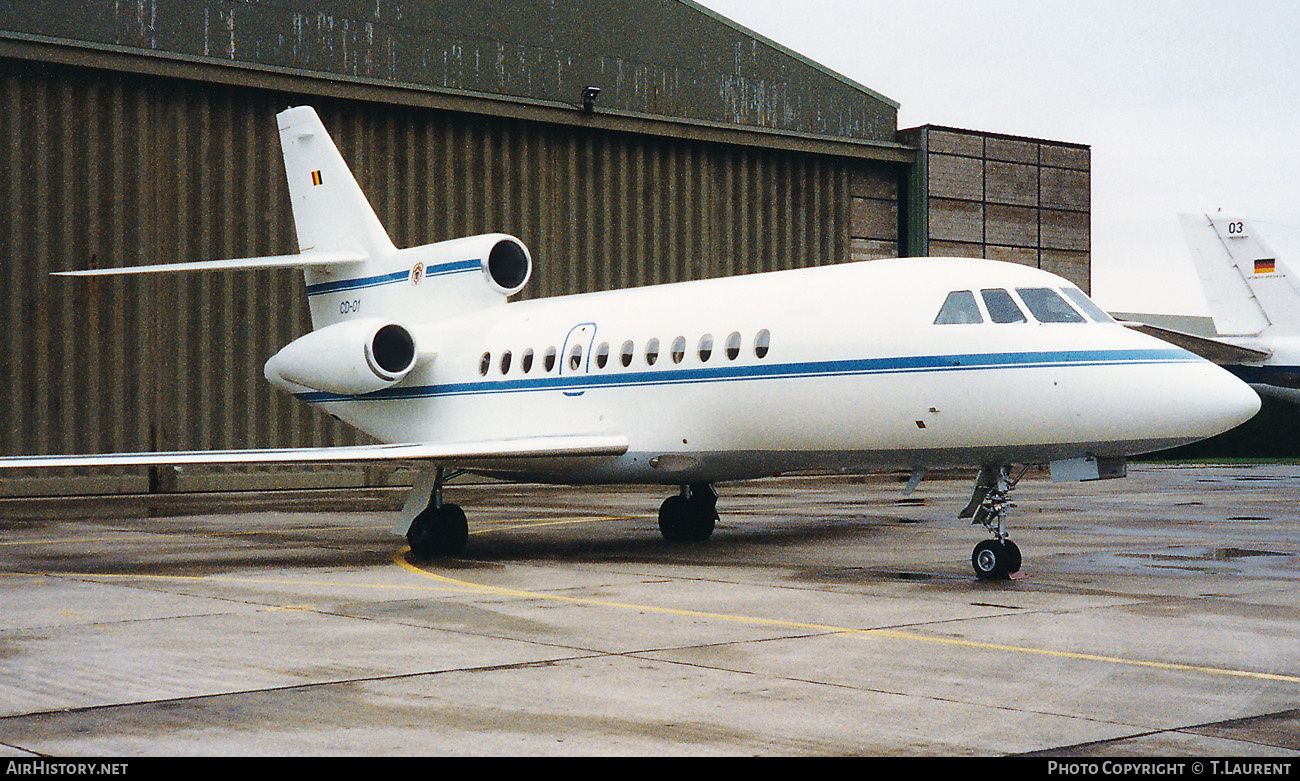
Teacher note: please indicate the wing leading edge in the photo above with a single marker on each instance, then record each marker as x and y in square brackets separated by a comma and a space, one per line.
[1214, 350]
[306, 259]
[413, 452]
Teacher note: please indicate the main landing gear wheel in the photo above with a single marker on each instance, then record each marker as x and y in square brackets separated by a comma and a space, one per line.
[439, 531]
[689, 516]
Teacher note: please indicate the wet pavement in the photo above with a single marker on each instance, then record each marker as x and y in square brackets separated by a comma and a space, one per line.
[1155, 615]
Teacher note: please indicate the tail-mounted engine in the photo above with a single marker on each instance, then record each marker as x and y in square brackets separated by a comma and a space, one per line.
[507, 265]
[348, 358]
[466, 274]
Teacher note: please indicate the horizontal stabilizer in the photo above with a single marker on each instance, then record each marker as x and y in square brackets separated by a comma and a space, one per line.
[414, 453]
[1212, 350]
[308, 259]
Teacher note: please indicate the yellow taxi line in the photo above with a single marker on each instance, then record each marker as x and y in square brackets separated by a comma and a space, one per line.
[400, 560]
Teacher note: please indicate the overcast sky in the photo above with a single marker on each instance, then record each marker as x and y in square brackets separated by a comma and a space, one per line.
[1188, 106]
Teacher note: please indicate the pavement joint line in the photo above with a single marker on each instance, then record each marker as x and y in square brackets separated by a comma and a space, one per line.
[460, 585]
[501, 526]
[401, 561]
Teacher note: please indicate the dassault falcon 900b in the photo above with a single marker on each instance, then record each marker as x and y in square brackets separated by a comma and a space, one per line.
[914, 363]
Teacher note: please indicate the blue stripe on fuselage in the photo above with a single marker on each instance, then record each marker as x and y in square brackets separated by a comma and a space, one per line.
[616, 378]
[341, 285]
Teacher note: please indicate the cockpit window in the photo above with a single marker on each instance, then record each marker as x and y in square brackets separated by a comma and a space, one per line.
[1047, 305]
[1002, 307]
[1087, 305]
[959, 308]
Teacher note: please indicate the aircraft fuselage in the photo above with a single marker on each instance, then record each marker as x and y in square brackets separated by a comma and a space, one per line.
[832, 368]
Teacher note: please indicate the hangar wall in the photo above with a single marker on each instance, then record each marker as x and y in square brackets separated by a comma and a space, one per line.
[988, 195]
[102, 168]
[126, 140]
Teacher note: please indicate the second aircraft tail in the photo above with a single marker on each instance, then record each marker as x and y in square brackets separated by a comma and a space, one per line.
[1248, 289]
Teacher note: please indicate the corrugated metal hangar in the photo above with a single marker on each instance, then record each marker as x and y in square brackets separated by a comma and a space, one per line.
[144, 132]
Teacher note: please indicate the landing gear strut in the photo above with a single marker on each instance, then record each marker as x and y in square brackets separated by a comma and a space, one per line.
[997, 558]
[440, 529]
[690, 516]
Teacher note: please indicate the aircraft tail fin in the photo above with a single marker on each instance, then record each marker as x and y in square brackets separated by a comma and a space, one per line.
[329, 208]
[1248, 289]
[352, 269]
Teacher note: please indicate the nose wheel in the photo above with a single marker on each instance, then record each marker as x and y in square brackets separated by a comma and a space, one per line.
[995, 559]
[998, 558]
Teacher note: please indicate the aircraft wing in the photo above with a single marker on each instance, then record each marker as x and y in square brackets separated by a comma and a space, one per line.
[1210, 349]
[413, 453]
[301, 260]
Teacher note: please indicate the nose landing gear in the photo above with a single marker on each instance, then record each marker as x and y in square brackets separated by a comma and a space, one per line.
[998, 558]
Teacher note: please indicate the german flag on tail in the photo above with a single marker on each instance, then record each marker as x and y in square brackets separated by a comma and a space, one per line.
[1265, 266]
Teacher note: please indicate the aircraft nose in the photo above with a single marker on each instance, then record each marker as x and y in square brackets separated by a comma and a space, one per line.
[1227, 402]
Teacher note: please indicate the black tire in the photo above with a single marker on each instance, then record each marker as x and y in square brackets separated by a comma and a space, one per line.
[702, 520]
[440, 532]
[1013, 557]
[672, 519]
[686, 520]
[995, 560]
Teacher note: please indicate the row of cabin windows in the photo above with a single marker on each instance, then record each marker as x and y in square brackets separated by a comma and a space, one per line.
[601, 355]
[1045, 304]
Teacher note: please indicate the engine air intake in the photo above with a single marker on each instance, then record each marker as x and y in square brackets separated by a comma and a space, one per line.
[392, 351]
[509, 266]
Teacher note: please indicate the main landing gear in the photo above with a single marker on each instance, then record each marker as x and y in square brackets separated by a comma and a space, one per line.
[998, 558]
[690, 516]
[440, 529]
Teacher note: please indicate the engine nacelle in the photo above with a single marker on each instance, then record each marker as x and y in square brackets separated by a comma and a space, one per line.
[507, 265]
[348, 358]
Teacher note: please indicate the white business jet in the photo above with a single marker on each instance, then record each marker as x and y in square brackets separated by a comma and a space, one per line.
[915, 363]
[1254, 302]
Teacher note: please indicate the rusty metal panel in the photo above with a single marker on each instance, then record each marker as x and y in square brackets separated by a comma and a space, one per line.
[102, 169]
[697, 65]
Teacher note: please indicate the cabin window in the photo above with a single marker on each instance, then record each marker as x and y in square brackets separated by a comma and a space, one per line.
[484, 364]
[1087, 305]
[959, 308]
[706, 347]
[651, 352]
[625, 355]
[575, 357]
[505, 361]
[679, 349]
[733, 346]
[549, 361]
[1002, 307]
[602, 355]
[526, 363]
[1047, 306]
[762, 340]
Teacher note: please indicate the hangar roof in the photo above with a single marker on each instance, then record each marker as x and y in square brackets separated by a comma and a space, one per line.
[668, 67]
